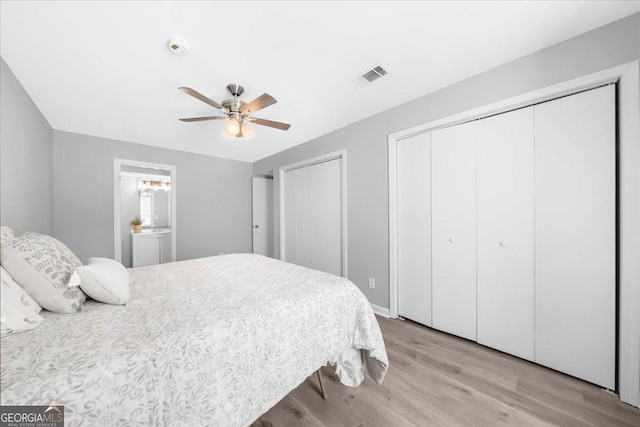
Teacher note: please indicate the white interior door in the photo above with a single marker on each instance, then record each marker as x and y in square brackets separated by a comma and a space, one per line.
[296, 214]
[325, 216]
[262, 209]
[414, 228]
[505, 232]
[453, 200]
[575, 235]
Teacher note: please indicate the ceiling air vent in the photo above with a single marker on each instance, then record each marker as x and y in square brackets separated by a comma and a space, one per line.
[370, 75]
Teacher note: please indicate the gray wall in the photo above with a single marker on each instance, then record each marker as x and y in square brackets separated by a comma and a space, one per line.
[213, 196]
[25, 160]
[366, 140]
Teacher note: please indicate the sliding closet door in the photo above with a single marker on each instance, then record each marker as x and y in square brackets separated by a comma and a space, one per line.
[325, 213]
[505, 232]
[453, 198]
[296, 214]
[575, 235]
[414, 228]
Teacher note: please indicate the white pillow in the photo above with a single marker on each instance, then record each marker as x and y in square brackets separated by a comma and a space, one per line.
[42, 266]
[105, 280]
[16, 313]
[6, 233]
[26, 300]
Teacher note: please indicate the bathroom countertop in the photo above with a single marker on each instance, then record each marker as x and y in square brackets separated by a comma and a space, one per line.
[147, 231]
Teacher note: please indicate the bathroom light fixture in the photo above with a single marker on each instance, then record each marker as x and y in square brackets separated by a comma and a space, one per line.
[147, 186]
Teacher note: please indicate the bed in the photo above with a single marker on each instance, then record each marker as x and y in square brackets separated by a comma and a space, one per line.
[212, 341]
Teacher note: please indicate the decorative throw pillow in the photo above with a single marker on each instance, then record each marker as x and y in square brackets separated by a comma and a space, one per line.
[16, 313]
[25, 299]
[6, 233]
[105, 280]
[43, 266]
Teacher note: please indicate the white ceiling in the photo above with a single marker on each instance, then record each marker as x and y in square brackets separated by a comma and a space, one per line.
[103, 68]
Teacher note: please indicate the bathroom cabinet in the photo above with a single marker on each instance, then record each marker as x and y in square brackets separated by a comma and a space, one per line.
[152, 247]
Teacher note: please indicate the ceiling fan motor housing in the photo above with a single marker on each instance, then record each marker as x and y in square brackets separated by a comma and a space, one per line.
[233, 105]
[235, 89]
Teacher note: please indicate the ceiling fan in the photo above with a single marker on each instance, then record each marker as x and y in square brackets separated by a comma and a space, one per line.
[238, 112]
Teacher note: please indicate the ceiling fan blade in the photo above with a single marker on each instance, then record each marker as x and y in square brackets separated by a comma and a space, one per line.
[201, 119]
[271, 124]
[258, 104]
[201, 97]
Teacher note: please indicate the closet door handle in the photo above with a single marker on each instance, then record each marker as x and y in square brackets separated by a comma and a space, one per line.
[503, 244]
[317, 231]
[451, 240]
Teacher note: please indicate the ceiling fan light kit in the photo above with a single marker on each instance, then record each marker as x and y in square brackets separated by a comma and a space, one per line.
[237, 112]
[233, 127]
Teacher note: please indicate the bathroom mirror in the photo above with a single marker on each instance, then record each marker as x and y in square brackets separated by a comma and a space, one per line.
[154, 200]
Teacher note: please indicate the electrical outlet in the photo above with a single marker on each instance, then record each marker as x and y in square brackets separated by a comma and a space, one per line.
[372, 283]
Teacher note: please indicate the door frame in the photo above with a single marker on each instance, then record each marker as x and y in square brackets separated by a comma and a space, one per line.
[341, 154]
[117, 241]
[627, 77]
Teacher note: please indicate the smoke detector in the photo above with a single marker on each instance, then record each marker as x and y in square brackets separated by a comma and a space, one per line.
[178, 47]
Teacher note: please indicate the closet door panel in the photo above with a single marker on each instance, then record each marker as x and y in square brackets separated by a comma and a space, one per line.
[414, 228]
[288, 224]
[325, 213]
[575, 235]
[505, 232]
[453, 198]
[296, 216]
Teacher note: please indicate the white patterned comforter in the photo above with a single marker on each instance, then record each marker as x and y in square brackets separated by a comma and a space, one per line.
[209, 342]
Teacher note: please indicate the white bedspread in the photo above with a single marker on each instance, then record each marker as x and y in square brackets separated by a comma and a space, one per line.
[209, 342]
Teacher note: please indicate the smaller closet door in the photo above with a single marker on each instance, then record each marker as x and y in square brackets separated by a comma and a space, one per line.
[414, 228]
[453, 200]
[262, 215]
[505, 232]
[296, 214]
[325, 216]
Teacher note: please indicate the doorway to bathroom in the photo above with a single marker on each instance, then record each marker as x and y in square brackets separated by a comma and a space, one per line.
[144, 195]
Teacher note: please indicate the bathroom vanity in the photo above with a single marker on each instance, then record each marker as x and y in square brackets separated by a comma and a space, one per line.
[152, 246]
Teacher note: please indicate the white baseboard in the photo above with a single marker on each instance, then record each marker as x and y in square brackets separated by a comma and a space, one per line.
[381, 311]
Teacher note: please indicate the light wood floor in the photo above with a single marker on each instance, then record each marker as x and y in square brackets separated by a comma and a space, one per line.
[436, 379]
